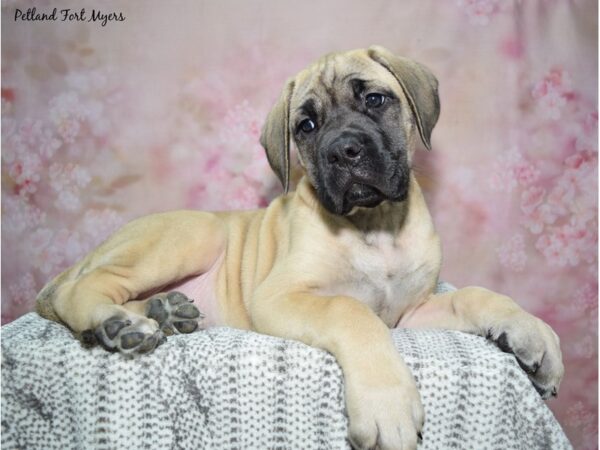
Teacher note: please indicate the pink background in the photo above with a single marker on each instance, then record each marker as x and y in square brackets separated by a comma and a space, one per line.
[163, 111]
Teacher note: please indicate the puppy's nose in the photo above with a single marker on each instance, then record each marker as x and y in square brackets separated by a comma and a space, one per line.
[344, 151]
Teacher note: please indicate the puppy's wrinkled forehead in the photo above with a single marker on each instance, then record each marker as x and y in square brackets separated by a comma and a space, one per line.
[338, 77]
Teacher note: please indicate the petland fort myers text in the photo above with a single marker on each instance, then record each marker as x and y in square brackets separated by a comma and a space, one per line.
[68, 15]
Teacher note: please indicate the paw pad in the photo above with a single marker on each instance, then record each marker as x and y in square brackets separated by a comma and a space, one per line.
[118, 333]
[174, 313]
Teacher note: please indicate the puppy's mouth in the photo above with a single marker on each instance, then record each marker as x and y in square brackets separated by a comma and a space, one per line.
[360, 190]
[359, 194]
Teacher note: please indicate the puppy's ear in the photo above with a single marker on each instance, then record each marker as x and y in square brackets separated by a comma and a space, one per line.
[275, 136]
[419, 86]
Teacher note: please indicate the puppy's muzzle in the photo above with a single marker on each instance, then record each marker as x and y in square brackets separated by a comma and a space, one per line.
[351, 165]
[346, 154]
[345, 151]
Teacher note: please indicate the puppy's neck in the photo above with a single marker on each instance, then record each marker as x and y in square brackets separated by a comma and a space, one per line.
[387, 217]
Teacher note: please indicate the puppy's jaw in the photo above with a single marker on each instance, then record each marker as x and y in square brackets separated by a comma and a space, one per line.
[343, 193]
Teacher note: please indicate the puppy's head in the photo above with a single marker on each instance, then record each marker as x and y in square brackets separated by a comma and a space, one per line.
[354, 118]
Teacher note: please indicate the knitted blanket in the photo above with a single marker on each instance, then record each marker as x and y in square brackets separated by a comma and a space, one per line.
[229, 389]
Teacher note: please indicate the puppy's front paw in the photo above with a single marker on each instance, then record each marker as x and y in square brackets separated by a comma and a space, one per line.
[129, 334]
[174, 313]
[388, 417]
[536, 348]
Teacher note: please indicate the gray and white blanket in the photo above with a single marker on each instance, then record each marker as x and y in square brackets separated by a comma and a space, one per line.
[228, 389]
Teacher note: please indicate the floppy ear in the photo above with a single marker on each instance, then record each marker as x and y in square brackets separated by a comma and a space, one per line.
[275, 136]
[419, 86]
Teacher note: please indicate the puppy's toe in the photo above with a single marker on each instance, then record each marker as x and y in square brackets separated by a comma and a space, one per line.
[128, 335]
[387, 417]
[174, 313]
[536, 348]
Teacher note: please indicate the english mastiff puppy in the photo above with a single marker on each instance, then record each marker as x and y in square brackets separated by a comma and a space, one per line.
[335, 264]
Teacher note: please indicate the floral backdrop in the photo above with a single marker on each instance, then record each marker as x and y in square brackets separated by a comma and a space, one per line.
[104, 123]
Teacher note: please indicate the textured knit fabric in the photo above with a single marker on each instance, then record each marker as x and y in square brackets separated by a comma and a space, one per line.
[229, 389]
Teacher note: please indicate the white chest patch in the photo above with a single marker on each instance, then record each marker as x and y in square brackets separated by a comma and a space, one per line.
[384, 272]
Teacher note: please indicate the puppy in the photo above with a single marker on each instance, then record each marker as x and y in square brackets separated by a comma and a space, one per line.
[335, 264]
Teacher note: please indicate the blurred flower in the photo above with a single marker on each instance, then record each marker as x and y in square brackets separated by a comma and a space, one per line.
[25, 171]
[48, 144]
[531, 198]
[585, 300]
[67, 114]
[243, 197]
[71, 244]
[511, 170]
[511, 253]
[551, 92]
[537, 218]
[45, 257]
[67, 181]
[99, 224]
[568, 244]
[23, 291]
[480, 12]
[89, 81]
[580, 416]
[19, 215]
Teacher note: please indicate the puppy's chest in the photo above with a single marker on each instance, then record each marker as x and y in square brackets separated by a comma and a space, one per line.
[383, 272]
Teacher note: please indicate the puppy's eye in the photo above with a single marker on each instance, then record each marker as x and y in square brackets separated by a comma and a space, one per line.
[307, 125]
[374, 100]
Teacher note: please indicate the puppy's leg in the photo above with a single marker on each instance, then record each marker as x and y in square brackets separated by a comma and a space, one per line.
[143, 256]
[480, 311]
[383, 404]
